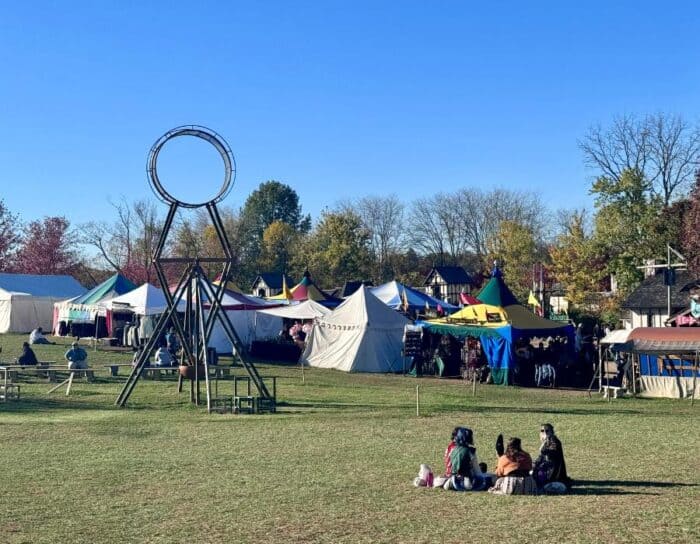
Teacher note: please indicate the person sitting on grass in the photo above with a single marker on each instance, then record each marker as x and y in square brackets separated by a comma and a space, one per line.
[37, 337]
[466, 473]
[513, 471]
[27, 357]
[550, 466]
[76, 357]
[440, 481]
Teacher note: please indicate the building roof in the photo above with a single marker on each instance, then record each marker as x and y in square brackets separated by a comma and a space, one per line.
[273, 280]
[56, 286]
[453, 275]
[652, 293]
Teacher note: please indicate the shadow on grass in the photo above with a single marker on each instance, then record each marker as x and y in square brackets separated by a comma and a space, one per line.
[536, 409]
[612, 487]
[52, 403]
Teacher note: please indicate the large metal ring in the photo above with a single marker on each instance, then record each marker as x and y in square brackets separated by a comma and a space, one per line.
[199, 132]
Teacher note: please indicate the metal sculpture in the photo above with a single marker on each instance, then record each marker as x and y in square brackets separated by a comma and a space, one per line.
[195, 326]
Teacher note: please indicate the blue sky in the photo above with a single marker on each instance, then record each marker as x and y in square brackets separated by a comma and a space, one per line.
[333, 98]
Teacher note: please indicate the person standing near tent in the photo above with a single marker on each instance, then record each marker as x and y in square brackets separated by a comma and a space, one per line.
[76, 357]
[37, 337]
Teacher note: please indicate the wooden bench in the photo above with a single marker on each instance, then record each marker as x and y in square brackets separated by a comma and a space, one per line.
[219, 371]
[42, 369]
[114, 369]
[154, 372]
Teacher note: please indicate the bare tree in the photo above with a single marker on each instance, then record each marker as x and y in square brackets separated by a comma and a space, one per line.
[483, 212]
[664, 148]
[425, 230]
[127, 245]
[383, 219]
[456, 226]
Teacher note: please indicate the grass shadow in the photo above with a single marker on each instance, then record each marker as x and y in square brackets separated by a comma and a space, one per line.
[621, 487]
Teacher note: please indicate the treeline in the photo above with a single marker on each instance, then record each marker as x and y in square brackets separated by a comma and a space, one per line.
[646, 193]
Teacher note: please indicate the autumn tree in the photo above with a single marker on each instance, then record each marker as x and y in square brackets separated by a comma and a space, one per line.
[337, 249]
[278, 245]
[690, 229]
[10, 236]
[47, 247]
[574, 261]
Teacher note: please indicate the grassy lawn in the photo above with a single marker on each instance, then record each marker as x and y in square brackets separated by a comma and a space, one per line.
[335, 464]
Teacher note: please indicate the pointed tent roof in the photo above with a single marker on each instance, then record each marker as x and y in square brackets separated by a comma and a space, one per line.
[306, 289]
[484, 315]
[230, 285]
[362, 335]
[110, 288]
[392, 293]
[309, 309]
[145, 300]
[364, 310]
[496, 292]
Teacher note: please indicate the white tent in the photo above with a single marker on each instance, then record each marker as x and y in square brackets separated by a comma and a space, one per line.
[27, 300]
[249, 325]
[361, 335]
[144, 300]
[309, 309]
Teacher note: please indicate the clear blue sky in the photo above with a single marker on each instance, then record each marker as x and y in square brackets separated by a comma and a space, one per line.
[334, 98]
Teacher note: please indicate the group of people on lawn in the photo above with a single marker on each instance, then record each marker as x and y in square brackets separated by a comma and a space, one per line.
[515, 474]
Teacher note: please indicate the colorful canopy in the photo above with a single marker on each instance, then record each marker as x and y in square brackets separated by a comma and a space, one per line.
[304, 290]
[110, 288]
[499, 322]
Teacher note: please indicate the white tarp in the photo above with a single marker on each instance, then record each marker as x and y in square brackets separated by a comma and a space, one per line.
[309, 309]
[618, 336]
[667, 387]
[144, 300]
[361, 335]
[249, 325]
[27, 300]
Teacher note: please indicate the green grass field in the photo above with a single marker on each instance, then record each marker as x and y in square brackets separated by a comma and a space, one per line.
[335, 464]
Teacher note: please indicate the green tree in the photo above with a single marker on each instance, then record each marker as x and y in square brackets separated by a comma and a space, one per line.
[515, 248]
[278, 245]
[626, 226]
[271, 201]
[337, 249]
